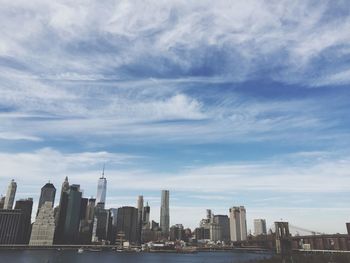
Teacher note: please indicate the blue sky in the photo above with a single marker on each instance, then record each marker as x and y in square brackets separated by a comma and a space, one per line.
[224, 103]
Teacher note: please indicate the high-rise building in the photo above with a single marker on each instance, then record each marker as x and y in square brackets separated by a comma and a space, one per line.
[176, 232]
[127, 223]
[48, 193]
[238, 224]
[44, 227]
[86, 224]
[260, 227]
[61, 214]
[139, 216]
[25, 228]
[224, 222]
[10, 195]
[164, 213]
[101, 189]
[10, 221]
[2, 202]
[71, 225]
[145, 215]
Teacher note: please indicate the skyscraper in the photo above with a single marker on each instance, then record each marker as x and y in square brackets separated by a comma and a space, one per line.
[2, 202]
[10, 221]
[145, 216]
[164, 213]
[71, 225]
[139, 216]
[224, 222]
[101, 189]
[260, 227]
[48, 193]
[127, 223]
[25, 206]
[10, 195]
[62, 212]
[43, 227]
[238, 224]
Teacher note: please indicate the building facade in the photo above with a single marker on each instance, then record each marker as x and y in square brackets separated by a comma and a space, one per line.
[10, 221]
[10, 195]
[60, 216]
[260, 227]
[127, 223]
[48, 193]
[224, 222]
[44, 227]
[71, 225]
[238, 224]
[164, 213]
[101, 190]
[26, 207]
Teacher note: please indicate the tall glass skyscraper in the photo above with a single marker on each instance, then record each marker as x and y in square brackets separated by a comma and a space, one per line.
[10, 195]
[164, 213]
[101, 190]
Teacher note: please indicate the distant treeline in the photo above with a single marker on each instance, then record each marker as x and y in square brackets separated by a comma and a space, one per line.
[326, 258]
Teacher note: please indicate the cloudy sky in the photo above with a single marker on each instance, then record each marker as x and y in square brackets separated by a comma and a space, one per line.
[223, 102]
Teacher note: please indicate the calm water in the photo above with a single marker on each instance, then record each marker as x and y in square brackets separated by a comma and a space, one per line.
[45, 256]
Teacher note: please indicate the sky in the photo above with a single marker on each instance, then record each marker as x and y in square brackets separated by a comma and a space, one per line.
[224, 103]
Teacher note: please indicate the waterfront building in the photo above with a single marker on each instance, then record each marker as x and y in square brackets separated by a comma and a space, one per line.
[48, 193]
[25, 228]
[146, 215]
[71, 225]
[10, 221]
[238, 224]
[127, 223]
[101, 189]
[102, 226]
[139, 216]
[10, 195]
[224, 222]
[164, 213]
[60, 215]
[260, 227]
[215, 232]
[44, 227]
[177, 232]
[2, 202]
[202, 233]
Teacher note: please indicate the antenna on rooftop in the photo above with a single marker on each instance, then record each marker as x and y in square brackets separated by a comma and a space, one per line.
[103, 171]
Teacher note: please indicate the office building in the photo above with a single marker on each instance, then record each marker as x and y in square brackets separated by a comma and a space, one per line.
[2, 202]
[48, 193]
[164, 213]
[177, 232]
[25, 228]
[146, 215]
[60, 216]
[71, 225]
[260, 227]
[101, 190]
[215, 232]
[44, 227]
[224, 223]
[10, 195]
[238, 224]
[139, 216]
[102, 225]
[10, 221]
[127, 223]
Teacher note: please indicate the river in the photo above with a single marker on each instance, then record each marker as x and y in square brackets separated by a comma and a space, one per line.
[71, 256]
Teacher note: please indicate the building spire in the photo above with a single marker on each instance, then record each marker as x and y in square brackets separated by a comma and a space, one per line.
[103, 171]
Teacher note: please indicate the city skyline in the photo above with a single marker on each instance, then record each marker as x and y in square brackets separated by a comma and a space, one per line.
[224, 103]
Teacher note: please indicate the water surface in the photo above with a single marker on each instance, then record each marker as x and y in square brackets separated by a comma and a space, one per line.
[71, 256]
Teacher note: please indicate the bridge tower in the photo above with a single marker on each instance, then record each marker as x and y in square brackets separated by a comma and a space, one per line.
[283, 241]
